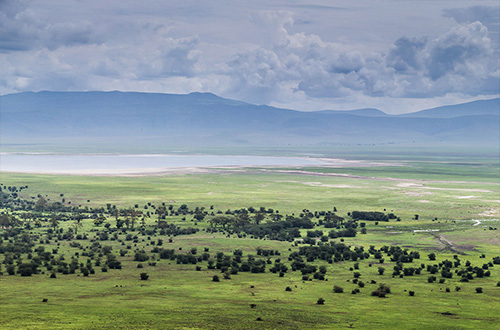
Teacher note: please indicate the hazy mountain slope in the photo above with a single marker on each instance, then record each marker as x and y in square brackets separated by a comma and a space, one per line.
[483, 107]
[368, 112]
[206, 119]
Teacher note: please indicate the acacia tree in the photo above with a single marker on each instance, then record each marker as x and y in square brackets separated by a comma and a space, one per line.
[276, 216]
[131, 218]
[259, 216]
[7, 220]
[54, 222]
[162, 210]
[75, 228]
[41, 204]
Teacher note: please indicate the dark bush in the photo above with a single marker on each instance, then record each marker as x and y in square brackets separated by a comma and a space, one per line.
[381, 291]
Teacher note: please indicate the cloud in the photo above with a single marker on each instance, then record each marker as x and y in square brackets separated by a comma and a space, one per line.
[21, 28]
[487, 15]
[404, 56]
[464, 50]
[260, 56]
[459, 61]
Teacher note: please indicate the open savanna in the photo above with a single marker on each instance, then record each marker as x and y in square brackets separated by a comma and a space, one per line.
[442, 190]
[457, 208]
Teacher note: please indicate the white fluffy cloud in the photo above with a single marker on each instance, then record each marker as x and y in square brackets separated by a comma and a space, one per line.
[459, 61]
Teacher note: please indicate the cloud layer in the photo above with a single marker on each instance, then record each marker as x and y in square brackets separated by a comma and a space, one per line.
[257, 54]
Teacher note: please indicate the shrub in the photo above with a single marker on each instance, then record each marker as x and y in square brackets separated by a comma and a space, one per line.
[320, 301]
[85, 271]
[338, 289]
[215, 278]
[381, 291]
[411, 293]
[144, 276]
[479, 290]
[141, 256]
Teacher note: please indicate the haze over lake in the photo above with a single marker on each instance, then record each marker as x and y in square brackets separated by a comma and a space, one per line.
[110, 163]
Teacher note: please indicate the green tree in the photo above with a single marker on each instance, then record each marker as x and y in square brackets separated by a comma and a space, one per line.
[258, 217]
[54, 222]
[41, 204]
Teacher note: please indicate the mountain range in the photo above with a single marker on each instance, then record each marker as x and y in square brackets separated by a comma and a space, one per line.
[206, 119]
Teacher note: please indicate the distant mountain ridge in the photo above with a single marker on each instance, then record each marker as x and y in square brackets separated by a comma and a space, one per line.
[369, 112]
[474, 108]
[206, 119]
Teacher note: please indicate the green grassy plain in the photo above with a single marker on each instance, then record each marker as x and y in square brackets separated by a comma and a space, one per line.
[176, 296]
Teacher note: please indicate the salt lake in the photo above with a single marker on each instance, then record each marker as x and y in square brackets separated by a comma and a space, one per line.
[121, 163]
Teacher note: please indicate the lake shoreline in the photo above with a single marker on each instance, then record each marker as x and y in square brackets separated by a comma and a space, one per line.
[158, 164]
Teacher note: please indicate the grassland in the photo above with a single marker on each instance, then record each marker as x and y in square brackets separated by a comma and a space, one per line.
[176, 296]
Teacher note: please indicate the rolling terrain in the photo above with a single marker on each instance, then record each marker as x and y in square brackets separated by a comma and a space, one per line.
[203, 119]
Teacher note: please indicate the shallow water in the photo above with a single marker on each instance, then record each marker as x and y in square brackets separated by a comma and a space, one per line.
[51, 163]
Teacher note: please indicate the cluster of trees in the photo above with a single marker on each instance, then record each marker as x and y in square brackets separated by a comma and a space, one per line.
[21, 256]
[329, 252]
[251, 222]
[372, 216]
[281, 230]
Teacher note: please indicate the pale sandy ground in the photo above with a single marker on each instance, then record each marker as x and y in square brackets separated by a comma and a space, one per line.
[327, 162]
[132, 172]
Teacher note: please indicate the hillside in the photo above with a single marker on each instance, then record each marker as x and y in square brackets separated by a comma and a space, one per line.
[482, 107]
[206, 119]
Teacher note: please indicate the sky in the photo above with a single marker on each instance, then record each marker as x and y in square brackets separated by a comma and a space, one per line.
[397, 56]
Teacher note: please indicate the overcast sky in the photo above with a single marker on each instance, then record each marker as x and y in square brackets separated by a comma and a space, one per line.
[398, 56]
